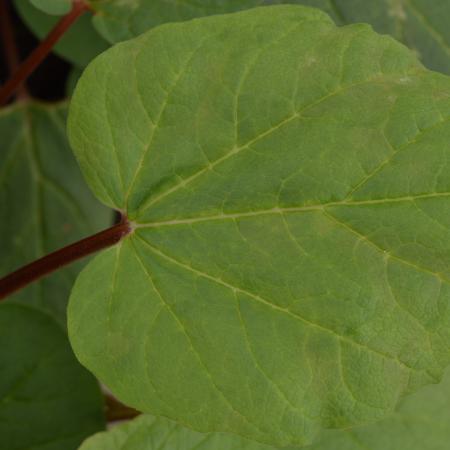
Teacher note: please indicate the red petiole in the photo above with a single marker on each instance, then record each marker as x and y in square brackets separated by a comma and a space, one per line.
[60, 258]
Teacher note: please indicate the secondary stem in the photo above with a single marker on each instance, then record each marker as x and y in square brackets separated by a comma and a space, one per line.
[60, 258]
[44, 48]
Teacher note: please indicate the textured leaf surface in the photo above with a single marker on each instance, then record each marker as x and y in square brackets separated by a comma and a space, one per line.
[47, 400]
[420, 24]
[421, 423]
[79, 45]
[289, 185]
[44, 201]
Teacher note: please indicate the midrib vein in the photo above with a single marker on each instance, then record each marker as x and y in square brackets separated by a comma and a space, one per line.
[286, 210]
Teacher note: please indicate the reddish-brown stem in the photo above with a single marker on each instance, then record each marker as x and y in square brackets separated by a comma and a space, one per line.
[44, 48]
[60, 258]
[116, 410]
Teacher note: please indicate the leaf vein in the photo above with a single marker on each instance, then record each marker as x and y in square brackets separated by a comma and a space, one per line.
[268, 303]
[193, 348]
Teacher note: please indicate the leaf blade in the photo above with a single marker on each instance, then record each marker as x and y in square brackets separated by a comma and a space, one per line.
[243, 158]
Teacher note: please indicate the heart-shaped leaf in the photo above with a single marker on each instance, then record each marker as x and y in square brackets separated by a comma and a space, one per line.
[47, 400]
[45, 203]
[288, 186]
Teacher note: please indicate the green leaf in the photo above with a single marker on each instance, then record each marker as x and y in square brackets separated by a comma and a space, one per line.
[55, 7]
[79, 45]
[48, 401]
[420, 24]
[44, 200]
[287, 181]
[421, 423]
